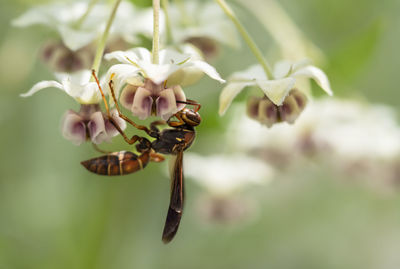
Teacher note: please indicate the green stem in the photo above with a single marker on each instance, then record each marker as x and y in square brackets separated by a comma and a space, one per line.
[87, 12]
[247, 38]
[156, 31]
[103, 39]
[165, 6]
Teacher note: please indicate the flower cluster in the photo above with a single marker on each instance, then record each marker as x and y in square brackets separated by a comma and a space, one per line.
[153, 82]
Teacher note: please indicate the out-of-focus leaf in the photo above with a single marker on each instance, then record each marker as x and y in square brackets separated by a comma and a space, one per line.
[348, 60]
[142, 3]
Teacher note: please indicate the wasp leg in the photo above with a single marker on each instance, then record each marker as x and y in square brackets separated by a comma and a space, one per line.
[178, 123]
[102, 93]
[156, 157]
[100, 150]
[191, 102]
[122, 116]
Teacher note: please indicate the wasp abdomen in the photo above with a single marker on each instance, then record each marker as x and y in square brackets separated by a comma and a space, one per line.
[117, 163]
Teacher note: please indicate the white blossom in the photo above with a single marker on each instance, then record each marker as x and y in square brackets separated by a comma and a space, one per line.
[277, 88]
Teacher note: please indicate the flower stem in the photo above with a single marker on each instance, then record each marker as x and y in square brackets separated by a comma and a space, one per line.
[247, 38]
[156, 31]
[103, 39]
[87, 12]
[165, 6]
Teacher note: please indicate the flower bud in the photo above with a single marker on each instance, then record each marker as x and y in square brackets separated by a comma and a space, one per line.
[263, 110]
[59, 58]
[90, 124]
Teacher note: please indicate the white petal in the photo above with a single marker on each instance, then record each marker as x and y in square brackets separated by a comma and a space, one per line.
[42, 85]
[32, 16]
[276, 90]
[317, 74]
[77, 85]
[122, 74]
[252, 73]
[135, 55]
[76, 39]
[284, 68]
[97, 128]
[208, 70]
[229, 93]
[170, 56]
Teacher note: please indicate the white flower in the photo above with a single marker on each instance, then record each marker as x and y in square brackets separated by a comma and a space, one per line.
[90, 123]
[77, 85]
[64, 18]
[277, 88]
[149, 89]
[226, 174]
[347, 130]
[196, 19]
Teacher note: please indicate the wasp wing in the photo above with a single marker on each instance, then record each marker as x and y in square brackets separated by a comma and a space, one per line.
[176, 202]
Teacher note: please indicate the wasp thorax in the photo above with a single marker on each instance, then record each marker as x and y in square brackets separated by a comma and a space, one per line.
[191, 117]
[59, 58]
[262, 109]
[143, 145]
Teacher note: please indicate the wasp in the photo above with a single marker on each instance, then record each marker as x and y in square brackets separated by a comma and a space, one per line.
[172, 141]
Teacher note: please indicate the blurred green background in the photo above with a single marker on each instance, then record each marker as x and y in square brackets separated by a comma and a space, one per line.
[54, 214]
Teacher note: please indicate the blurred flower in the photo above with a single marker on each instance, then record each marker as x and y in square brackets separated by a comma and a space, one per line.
[202, 29]
[338, 130]
[149, 89]
[283, 101]
[90, 123]
[60, 58]
[226, 174]
[77, 28]
[225, 177]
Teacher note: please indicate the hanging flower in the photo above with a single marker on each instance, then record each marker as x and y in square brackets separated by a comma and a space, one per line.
[203, 29]
[79, 25]
[89, 122]
[154, 89]
[283, 100]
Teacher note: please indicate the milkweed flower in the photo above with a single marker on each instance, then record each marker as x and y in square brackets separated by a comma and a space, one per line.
[79, 25]
[154, 89]
[89, 122]
[283, 100]
[205, 29]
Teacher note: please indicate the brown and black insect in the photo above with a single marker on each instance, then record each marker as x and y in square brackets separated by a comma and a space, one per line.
[173, 141]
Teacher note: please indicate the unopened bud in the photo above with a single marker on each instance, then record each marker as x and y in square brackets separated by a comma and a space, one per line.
[263, 110]
[59, 58]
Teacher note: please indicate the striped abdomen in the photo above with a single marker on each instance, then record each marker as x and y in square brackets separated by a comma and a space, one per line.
[117, 163]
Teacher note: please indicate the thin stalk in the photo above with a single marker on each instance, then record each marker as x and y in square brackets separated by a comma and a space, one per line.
[165, 7]
[247, 38]
[103, 39]
[156, 31]
[87, 12]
